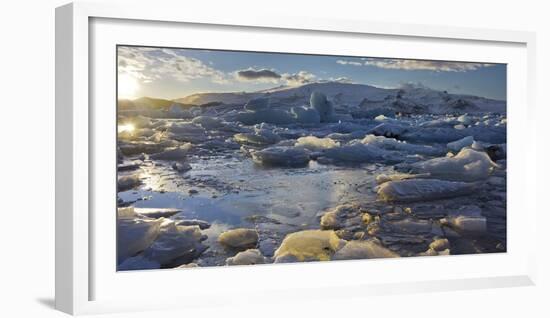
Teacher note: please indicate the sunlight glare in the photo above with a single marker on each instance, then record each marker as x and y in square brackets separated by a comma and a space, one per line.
[126, 128]
[127, 86]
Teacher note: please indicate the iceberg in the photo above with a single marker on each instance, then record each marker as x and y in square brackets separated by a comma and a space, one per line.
[319, 102]
[305, 115]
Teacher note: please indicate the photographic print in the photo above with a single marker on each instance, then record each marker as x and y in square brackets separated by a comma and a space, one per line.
[245, 158]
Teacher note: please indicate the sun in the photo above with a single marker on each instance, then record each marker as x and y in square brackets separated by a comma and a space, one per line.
[127, 86]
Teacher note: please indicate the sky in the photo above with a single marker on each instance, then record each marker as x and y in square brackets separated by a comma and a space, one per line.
[172, 73]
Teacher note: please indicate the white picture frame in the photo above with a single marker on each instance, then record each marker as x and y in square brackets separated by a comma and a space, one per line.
[76, 142]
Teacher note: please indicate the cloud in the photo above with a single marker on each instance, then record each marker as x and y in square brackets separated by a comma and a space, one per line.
[262, 75]
[300, 78]
[150, 64]
[347, 62]
[421, 65]
[416, 65]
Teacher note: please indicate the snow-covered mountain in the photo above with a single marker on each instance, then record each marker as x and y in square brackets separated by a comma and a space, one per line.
[360, 96]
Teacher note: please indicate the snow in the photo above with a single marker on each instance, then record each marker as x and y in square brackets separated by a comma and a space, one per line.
[248, 257]
[467, 165]
[314, 143]
[308, 245]
[423, 190]
[281, 156]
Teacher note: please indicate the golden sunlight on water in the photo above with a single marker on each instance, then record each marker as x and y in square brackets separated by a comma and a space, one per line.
[126, 128]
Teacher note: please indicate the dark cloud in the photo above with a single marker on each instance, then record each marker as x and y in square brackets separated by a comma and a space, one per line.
[252, 74]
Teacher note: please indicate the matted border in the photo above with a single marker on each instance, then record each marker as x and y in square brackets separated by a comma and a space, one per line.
[73, 140]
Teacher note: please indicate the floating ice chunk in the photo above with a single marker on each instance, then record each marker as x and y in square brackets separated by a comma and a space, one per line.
[467, 165]
[305, 115]
[136, 263]
[126, 212]
[440, 244]
[432, 135]
[423, 190]
[200, 223]
[207, 122]
[135, 235]
[176, 242]
[465, 119]
[358, 153]
[156, 213]
[325, 109]
[181, 166]
[183, 128]
[467, 219]
[177, 153]
[248, 257]
[239, 238]
[260, 137]
[394, 144]
[363, 250]
[272, 116]
[335, 218]
[315, 143]
[281, 156]
[381, 178]
[125, 183]
[257, 104]
[309, 245]
[388, 130]
[461, 143]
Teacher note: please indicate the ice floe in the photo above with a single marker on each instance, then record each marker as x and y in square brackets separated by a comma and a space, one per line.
[239, 238]
[363, 250]
[248, 257]
[308, 245]
[281, 156]
[314, 143]
[423, 190]
[467, 165]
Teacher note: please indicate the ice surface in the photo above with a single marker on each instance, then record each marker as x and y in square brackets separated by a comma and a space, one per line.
[138, 262]
[207, 122]
[281, 156]
[423, 190]
[309, 245]
[260, 137]
[467, 165]
[257, 104]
